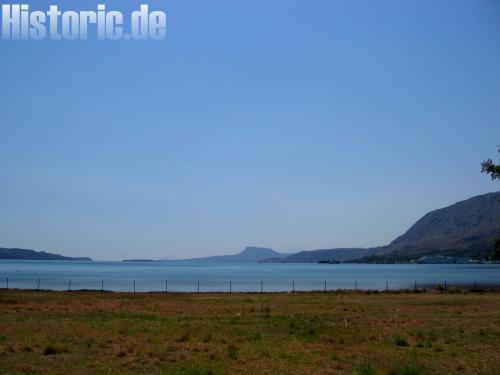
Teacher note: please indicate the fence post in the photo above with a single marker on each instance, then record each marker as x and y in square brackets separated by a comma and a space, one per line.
[262, 286]
[293, 286]
[166, 286]
[356, 286]
[198, 288]
[230, 286]
[102, 285]
[69, 286]
[38, 285]
[445, 286]
[325, 286]
[134, 286]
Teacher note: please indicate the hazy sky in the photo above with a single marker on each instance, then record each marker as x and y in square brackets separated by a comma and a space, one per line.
[287, 124]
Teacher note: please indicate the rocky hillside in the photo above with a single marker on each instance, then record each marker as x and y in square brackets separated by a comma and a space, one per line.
[466, 228]
[457, 226]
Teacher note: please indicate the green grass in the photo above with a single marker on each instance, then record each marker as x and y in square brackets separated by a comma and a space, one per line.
[277, 333]
[401, 341]
[365, 368]
[410, 367]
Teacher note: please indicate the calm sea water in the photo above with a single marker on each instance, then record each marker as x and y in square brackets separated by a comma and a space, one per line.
[120, 276]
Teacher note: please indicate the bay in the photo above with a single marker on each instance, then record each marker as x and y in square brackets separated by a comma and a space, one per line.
[185, 277]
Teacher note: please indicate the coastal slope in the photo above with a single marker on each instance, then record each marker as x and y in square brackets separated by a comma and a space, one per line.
[464, 229]
[26, 254]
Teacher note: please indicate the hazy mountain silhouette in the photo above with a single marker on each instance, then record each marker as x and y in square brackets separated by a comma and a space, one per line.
[251, 254]
[466, 228]
[314, 256]
[26, 254]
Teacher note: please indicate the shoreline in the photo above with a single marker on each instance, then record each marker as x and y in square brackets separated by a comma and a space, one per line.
[433, 290]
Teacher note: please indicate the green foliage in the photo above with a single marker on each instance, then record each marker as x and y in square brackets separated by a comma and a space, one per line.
[410, 367]
[365, 368]
[426, 339]
[54, 349]
[232, 351]
[184, 370]
[406, 369]
[256, 337]
[89, 342]
[401, 341]
[207, 338]
[489, 167]
[496, 253]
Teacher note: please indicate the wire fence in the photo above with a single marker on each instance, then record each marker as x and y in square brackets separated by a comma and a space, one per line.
[231, 286]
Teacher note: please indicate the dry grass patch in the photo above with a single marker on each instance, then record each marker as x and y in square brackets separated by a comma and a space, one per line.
[278, 333]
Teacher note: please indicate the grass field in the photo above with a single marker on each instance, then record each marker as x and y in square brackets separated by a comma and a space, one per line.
[303, 333]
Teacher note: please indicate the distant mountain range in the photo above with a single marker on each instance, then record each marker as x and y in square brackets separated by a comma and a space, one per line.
[314, 256]
[466, 228]
[25, 254]
[251, 254]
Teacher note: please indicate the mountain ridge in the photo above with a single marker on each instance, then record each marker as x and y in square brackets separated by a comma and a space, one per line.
[251, 254]
[313, 256]
[465, 228]
[455, 225]
[28, 254]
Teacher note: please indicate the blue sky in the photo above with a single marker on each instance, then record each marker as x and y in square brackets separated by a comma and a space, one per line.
[287, 124]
